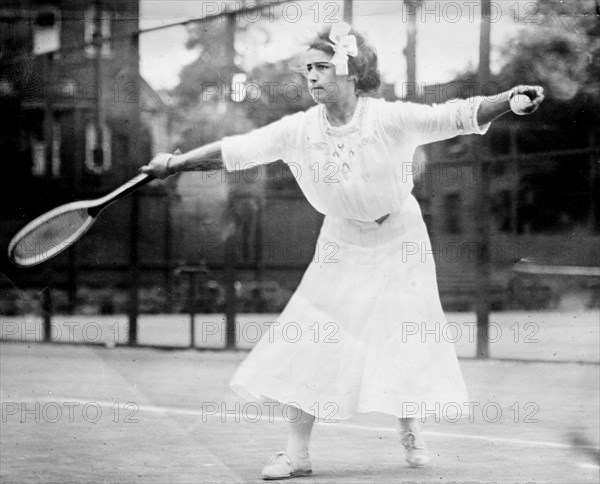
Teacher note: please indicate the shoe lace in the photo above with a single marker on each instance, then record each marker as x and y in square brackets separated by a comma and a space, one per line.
[409, 441]
[278, 456]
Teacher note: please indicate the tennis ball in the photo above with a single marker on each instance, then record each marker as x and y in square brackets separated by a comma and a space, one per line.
[521, 104]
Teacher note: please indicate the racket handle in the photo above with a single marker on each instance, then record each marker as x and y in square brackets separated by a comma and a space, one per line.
[125, 189]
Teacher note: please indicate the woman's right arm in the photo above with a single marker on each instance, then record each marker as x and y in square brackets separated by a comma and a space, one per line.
[207, 157]
[270, 143]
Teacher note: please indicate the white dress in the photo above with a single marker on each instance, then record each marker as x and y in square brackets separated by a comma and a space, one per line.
[347, 342]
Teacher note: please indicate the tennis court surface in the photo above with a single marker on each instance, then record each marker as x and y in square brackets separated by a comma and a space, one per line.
[82, 413]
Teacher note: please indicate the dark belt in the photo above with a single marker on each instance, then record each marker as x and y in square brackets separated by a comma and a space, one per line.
[380, 220]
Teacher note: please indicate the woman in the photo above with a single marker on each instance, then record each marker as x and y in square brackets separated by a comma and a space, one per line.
[348, 351]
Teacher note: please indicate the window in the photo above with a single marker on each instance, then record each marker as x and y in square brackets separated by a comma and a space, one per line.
[90, 30]
[56, 144]
[46, 31]
[93, 163]
[38, 153]
[452, 210]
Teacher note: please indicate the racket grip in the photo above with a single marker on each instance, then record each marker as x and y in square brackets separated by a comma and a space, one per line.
[125, 189]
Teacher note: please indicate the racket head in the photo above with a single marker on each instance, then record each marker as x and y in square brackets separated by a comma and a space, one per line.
[50, 234]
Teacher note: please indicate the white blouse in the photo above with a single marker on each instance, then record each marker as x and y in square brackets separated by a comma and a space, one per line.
[362, 170]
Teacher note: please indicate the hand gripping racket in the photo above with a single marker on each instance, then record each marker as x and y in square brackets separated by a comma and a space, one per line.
[56, 230]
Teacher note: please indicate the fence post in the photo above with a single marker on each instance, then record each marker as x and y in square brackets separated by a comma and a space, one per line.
[482, 257]
[593, 171]
[482, 224]
[47, 313]
[168, 253]
[230, 271]
[133, 271]
[259, 240]
[134, 151]
[514, 190]
[230, 293]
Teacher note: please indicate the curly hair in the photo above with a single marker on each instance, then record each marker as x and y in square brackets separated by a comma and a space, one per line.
[363, 65]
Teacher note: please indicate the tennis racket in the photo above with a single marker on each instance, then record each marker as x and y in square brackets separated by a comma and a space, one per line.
[56, 230]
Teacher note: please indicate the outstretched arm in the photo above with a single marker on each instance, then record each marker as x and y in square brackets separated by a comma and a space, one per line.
[275, 141]
[520, 100]
[207, 157]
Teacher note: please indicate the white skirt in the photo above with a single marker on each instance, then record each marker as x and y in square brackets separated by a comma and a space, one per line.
[364, 331]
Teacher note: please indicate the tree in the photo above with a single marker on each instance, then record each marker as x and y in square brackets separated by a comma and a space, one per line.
[561, 51]
[275, 90]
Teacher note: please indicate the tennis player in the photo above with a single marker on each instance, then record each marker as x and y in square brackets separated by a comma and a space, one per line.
[339, 347]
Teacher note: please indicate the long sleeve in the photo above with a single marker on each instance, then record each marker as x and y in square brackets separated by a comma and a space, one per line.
[426, 124]
[263, 145]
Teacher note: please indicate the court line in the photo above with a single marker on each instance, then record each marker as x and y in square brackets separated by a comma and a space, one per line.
[224, 416]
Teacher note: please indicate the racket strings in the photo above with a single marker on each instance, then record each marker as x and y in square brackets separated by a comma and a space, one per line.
[50, 235]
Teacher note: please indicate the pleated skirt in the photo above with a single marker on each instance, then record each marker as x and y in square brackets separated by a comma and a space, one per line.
[364, 331]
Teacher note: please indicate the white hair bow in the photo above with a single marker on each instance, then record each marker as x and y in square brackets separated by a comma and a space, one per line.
[344, 45]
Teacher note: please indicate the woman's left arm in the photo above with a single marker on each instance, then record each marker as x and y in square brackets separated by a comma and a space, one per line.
[520, 100]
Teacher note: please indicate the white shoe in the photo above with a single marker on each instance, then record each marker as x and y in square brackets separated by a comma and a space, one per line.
[417, 454]
[281, 466]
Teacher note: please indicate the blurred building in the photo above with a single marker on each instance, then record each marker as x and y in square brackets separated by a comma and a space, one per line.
[77, 118]
[70, 75]
[542, 204]
[62, 88]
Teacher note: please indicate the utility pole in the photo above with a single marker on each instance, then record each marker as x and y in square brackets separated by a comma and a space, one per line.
[98, 151]
[348, 15]
[482, 225]
[410, 52]
[134, 214]
[230, 244]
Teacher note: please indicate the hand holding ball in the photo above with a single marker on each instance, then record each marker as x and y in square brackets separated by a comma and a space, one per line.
[526, 99]
[521, 104]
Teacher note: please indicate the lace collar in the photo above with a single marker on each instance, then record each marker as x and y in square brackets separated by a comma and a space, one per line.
[351, 127]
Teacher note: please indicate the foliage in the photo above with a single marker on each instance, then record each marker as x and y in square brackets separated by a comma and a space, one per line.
[212, 67]
[204, 111]
[203, 122]
[560, 52]
[279, 91]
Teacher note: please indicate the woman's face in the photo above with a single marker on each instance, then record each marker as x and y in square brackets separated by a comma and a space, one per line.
[324, 85]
